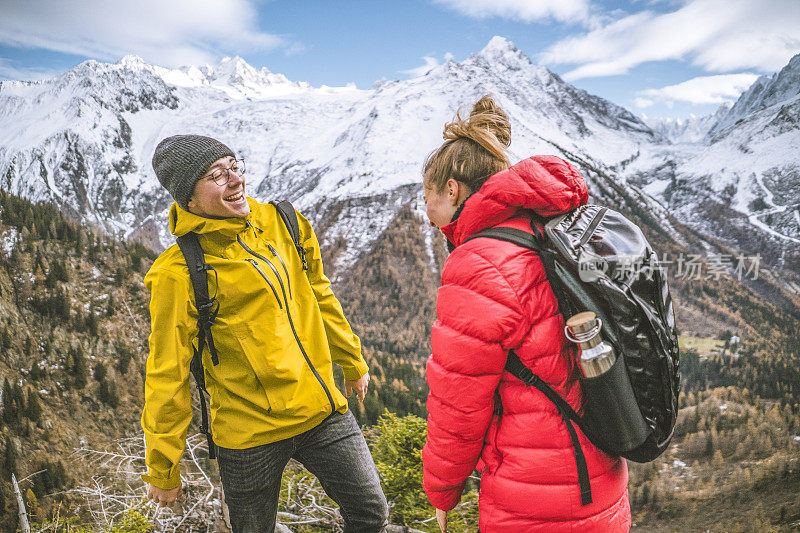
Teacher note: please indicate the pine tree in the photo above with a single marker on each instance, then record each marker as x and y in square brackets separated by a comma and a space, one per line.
[108, 393]
[57, 272]
[38, 262]
[397, 451]
[15, 406]
[78, 243]
[8, 403]
[33, 410]
[36, 373]
[80, 367]
[10, 457]
[6, 339]
[90, 324]
[59, 305]
[59, 475]
[99, 372]
[709, 450]
[124, 357]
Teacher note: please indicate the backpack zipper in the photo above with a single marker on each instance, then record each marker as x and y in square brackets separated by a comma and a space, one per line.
[598, 217]
[291, 322]
[271, 286]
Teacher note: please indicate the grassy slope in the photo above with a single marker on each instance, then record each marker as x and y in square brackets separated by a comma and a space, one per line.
[390, 299]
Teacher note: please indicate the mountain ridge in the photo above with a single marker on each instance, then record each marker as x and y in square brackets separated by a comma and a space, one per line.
[328, 147]
[348, 158]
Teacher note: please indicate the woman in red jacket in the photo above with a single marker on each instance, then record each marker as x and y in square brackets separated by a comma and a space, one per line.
[495, 298]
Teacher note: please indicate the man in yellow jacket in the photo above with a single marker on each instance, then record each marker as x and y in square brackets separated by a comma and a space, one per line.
[278, 331]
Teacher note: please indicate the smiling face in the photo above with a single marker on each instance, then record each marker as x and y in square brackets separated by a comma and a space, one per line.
[219, 201]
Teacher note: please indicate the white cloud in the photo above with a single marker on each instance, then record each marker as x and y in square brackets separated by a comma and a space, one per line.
[524, 10]
[10, 72]
[716, 35]
[703, 90]
[430, 63]
[170, 33]
[642, 103]
[295, 48]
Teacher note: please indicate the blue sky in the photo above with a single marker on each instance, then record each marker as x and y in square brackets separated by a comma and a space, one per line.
[663, 58]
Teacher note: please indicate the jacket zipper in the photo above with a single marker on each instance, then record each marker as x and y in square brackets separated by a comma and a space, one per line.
[271, 286]
[288, 282]
[291, 322]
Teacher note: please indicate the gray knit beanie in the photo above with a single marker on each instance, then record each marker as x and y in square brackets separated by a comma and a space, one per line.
[181, 160]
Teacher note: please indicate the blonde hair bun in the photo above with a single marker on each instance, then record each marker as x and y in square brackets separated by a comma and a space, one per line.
[487, 114]
[487, 125]
[474, 147]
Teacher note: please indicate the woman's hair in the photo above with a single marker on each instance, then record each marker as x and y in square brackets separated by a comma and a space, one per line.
[474, 148]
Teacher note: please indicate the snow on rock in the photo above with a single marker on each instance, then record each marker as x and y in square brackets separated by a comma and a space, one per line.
[765, 92]
[350, 158]
[9, 240]
[691, 130]
[347, 158]
[743, 175]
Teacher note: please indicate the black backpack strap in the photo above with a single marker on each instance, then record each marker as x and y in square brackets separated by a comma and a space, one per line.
[518, 369]
[289, 217]
[207, 309]
[512, 235]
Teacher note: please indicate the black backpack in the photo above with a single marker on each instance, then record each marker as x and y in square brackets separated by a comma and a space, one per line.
[207, 308]
[597, 260]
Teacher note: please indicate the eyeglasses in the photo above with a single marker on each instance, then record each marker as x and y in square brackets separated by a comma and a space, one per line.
[221, 176]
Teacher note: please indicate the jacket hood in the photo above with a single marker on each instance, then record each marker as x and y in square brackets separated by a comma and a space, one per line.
[182, 222]
[546, 185]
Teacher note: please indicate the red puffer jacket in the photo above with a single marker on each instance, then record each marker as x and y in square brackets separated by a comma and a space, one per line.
[495, 297]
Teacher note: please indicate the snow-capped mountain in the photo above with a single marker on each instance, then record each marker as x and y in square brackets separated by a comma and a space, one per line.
[742, 183]
[691, 130]
[782, 88]
[347, 157]
[350, 158]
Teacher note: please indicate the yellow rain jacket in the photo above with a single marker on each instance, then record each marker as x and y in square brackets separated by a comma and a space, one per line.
[278, 332]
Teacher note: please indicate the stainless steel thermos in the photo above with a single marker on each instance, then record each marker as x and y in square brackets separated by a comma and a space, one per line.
[597, 357]
[610, 407]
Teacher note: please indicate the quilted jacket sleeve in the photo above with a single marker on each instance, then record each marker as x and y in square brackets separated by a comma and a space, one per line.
[479, 317]
[345, 345]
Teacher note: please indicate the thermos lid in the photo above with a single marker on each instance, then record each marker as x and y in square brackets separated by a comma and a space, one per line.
[582, 322]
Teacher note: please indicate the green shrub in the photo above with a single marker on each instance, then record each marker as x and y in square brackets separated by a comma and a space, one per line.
[397, 451]
[132, 522]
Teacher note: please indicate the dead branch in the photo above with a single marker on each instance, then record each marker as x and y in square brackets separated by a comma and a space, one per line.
[23, 515]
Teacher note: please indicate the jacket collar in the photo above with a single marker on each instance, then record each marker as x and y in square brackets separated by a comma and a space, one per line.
[546, 185]
[219, 231]
[450, 227]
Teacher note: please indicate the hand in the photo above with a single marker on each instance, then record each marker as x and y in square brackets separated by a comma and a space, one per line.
[165, 497]
[359, 385]
[441, 518]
